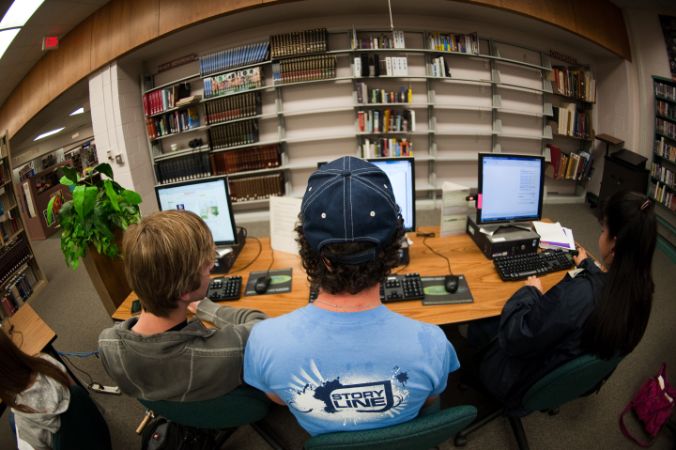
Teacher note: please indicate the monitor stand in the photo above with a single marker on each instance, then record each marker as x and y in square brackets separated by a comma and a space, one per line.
[228, 254]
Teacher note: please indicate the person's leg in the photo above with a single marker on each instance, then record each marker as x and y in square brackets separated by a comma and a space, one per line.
[481, 332]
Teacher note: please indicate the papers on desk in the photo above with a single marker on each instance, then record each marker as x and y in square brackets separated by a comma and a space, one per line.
[454, 208]
[283, 217]
[553, 235]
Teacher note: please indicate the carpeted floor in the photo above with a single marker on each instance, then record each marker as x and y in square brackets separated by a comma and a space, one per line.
[70, 306]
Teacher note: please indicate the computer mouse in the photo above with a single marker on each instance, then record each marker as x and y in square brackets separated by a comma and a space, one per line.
[261, 284]
[451, 283]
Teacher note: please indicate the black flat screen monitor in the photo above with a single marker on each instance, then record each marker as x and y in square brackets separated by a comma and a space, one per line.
[208, 198]
[401, 172]
[510, 188]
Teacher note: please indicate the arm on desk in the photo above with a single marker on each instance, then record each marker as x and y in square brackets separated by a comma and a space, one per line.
[224, 316]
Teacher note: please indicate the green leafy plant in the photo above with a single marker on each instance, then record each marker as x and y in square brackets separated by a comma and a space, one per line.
[99, 207]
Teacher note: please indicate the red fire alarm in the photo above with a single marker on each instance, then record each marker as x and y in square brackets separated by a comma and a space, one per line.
[50, 43]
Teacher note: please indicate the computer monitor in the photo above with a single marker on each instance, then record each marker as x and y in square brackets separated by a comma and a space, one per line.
[510, 188]
[401, 172]
[208, 198]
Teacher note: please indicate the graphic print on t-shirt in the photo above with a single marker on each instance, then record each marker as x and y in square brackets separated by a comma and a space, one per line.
[350, 397]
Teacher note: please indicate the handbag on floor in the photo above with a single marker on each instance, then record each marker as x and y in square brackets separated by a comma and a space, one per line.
[653, 405]
[163, 434]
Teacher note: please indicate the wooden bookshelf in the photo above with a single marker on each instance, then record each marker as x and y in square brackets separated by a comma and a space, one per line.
[20, 275]
[662, 183]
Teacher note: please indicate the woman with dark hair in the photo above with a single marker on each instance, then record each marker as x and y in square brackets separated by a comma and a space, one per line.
[36, 389]
[597, 309]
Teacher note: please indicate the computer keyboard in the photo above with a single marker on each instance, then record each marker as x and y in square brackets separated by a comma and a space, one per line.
[225, 288]
[402, 287]
[519, 267]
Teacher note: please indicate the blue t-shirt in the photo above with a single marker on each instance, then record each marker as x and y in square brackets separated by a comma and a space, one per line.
[349, 371]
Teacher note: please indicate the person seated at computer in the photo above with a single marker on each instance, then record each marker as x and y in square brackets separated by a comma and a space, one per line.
[346, 362]
[36, 390]
[599, 311]
[160, 355]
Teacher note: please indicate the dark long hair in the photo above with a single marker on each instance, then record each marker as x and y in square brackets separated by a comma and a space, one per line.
[17, 371]
[620, 318]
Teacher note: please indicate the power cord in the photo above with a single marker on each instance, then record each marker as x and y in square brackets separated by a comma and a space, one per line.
[91, 384]
[260, 249]
[429, 235]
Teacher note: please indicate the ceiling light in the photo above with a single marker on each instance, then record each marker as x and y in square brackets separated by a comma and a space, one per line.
[6, 38]
[80, 110]
[49, 133]
[18, 14]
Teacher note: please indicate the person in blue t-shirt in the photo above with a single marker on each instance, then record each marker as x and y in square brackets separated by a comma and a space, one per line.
[346, 362]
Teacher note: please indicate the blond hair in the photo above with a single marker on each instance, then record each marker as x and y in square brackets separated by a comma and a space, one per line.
[163, 257]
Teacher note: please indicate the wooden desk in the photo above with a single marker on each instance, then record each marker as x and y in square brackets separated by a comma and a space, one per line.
[30, 333]
[489, 292]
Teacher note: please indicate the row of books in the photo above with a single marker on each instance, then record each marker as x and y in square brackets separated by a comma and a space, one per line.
[438, 67]
[233, 82]
[572, 121]
[665, 149]
[8, 227]
[567, 166]
[184, 168]
[4, 173]
[664, 90]
[234, 57]
[454, 42]
[160, 100]
[373, 148]
[395, 39]
[666, 109]
[385, 121]
[16, 292]
[240, 160]
[256, 188]
[233, 107]
[176, 122]
[307, 68]
[662, 194]
[664, 174]
[665, 127]
[376, 95]
[371, 65]
[298, 43]
[574, 82]
[233, 134]
[12, 256]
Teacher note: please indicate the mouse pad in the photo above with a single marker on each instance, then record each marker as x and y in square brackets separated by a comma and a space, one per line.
[435, 293]
[279, 284]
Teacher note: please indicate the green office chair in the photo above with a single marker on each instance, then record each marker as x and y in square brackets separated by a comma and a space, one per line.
[82, 425]
[421, 433]
[245, 405]
[579, 377]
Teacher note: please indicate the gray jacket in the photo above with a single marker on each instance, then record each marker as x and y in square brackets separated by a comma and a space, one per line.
[194, 363]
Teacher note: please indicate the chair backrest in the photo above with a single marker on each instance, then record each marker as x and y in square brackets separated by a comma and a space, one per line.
[82, 425]
[421, 433]
[569, 381]
[242, 406]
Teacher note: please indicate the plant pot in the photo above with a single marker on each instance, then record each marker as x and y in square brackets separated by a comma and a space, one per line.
[107, 275]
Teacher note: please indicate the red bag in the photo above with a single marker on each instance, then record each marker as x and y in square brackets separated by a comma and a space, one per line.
[653, 405]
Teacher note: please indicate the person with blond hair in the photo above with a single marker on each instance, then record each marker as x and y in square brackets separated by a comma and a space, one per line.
[168, 257]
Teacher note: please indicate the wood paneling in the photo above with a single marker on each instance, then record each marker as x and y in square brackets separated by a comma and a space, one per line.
[123, 25]
[176, 14]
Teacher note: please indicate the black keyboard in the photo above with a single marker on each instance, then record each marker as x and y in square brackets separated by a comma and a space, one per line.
[519, 267]
[402, 287]
[225, 288]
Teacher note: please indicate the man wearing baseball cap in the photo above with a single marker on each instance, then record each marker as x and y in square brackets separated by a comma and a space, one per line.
[346, 362]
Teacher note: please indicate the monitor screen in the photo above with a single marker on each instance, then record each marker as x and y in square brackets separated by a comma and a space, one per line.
[208, 198]
[401, 172]
[510, 187]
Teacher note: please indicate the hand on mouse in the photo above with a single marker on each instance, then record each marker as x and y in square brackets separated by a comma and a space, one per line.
[535, 282]
[581, 255]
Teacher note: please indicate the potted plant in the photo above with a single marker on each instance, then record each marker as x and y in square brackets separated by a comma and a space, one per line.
[94, 220]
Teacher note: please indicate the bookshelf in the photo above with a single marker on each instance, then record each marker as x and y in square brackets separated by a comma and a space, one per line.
[662, 183]
[315, 95]
[20, 275]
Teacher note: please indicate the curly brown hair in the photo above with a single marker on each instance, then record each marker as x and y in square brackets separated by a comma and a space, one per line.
[348, 278]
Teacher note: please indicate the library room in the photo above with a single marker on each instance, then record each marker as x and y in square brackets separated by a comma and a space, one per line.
[470, 172]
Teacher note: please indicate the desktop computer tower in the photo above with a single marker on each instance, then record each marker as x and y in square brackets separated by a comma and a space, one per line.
[502, 240]
[224, 264]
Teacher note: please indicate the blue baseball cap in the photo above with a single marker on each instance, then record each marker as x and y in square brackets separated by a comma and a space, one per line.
[349, 200]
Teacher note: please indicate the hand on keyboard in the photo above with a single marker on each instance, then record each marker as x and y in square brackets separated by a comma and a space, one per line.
[535, 282]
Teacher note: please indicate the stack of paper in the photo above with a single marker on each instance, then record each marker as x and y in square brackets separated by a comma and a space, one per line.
[553, 235]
